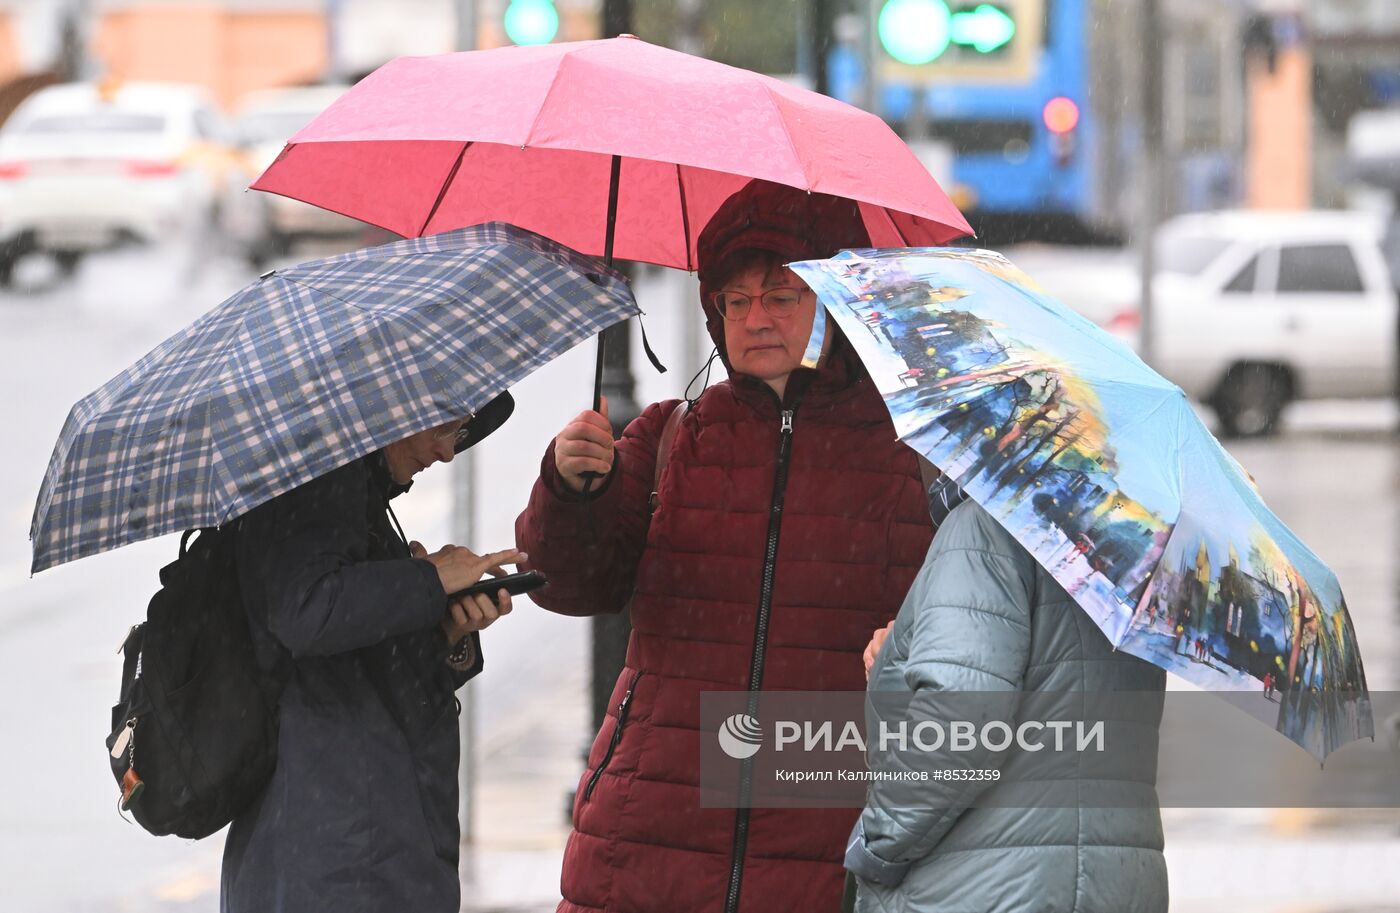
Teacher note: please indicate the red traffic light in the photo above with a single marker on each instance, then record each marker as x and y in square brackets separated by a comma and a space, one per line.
[1061, 115]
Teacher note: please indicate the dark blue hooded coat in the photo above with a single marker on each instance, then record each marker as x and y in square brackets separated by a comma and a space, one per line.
[361, 812]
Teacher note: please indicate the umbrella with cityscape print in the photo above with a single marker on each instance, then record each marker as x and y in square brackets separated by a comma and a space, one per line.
[1103, 471]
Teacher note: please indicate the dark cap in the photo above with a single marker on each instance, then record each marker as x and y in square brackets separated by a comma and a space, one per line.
[486, 420]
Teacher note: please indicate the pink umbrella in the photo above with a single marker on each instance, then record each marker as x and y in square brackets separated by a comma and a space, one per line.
[614, 148]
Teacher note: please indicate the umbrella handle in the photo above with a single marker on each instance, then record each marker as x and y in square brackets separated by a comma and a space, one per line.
[598, 377]
[590, 477]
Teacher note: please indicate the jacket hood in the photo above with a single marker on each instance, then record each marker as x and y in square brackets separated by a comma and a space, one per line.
[796, 225]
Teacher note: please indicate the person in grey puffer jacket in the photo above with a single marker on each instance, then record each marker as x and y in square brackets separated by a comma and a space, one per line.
[983, 615]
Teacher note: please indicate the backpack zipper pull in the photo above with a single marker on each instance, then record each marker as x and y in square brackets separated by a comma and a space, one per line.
[119, 746]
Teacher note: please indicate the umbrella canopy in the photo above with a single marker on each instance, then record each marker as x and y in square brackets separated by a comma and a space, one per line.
[531, 136]
[1102, 470]
[307, 369]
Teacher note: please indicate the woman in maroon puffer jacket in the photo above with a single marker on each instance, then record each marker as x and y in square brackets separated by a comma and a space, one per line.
[789, 525]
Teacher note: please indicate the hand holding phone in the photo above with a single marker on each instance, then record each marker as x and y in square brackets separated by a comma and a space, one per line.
[514, 584]
[459, 567]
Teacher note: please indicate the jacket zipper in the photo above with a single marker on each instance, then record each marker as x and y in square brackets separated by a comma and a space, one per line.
[760, 646]
[622, 707]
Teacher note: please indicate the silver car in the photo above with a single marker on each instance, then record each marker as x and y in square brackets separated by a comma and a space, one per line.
[266, 225]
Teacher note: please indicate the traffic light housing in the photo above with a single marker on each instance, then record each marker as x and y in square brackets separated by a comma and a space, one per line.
[932, 40]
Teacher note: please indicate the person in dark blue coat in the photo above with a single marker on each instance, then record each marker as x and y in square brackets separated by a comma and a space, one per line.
[361, 811]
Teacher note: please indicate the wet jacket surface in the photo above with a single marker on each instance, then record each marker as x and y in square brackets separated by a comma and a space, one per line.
[361, 812]
[984, 616]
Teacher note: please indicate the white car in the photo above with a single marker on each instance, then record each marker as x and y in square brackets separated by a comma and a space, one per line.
[85, 165]
[1254, 309]
[265, 224]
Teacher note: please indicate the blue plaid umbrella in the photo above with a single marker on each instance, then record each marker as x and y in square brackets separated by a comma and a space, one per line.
[307, 369]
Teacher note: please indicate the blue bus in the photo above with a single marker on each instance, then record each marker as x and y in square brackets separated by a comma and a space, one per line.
[1045, 126]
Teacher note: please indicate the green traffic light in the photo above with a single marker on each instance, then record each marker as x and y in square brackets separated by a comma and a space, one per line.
[531, 21]
[919, 31]
[915, 31]
[985, 28]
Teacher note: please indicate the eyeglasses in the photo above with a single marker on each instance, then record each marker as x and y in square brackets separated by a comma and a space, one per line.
[455, 430]
[779, 302]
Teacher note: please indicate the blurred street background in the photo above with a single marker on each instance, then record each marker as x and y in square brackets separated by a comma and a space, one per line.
[1256, 143]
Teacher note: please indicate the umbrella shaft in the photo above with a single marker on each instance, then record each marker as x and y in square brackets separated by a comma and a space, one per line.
[613, 181]
[598, 374]
[608, 238]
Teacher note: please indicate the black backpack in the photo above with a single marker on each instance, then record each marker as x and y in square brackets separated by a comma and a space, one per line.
[194, 735]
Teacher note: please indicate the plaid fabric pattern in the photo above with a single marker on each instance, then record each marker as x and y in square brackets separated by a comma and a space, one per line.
[307, 369]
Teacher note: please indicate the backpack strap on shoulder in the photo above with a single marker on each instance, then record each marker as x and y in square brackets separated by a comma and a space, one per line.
[663, 450]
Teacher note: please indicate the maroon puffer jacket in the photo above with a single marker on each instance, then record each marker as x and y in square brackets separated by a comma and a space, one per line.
[850, 536]
[852, 533]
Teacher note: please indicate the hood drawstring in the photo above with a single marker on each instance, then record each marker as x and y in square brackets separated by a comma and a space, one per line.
[705, 370]
[397, 528]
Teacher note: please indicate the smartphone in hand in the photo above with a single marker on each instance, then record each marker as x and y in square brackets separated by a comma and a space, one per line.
[514, 584]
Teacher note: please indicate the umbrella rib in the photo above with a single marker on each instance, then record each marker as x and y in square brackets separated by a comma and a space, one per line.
[792, 146]
[442, 191]
[685, 218]
[544, 102]
[897, 230]
[889, 219]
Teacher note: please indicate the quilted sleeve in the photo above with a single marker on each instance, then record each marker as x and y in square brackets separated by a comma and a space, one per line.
[589, 549]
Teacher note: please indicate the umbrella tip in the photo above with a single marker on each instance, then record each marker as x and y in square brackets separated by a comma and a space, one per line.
[628, 35]
[268, 273]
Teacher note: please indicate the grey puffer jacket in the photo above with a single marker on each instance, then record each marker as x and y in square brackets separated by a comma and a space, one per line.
[983, 615]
